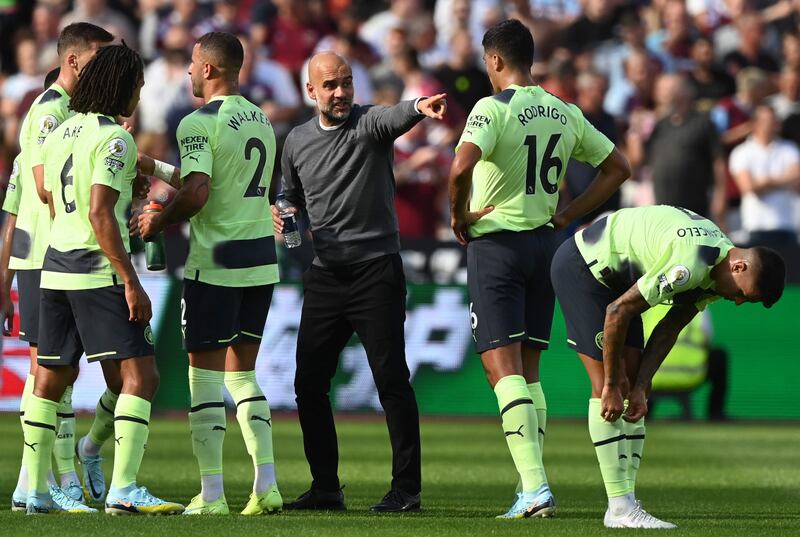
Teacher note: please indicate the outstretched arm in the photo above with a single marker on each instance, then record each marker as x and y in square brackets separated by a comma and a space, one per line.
[388, 123]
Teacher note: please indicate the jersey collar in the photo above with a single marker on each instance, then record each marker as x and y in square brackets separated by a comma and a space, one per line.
[59, 89]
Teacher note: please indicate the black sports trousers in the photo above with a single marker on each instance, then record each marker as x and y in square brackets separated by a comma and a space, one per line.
[367, 298]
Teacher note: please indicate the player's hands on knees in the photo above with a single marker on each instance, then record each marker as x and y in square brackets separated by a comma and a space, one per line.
[7, 309]
[139, 308]
[611, 406]
[148, 225]
[461, 223]
[637, 405]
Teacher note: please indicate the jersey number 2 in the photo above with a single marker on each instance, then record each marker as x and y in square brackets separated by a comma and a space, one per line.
[253, 189]
[67, 180]
[548, 161]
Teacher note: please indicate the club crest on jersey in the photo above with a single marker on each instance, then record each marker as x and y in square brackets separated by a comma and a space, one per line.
[118, 147]
[679, 275]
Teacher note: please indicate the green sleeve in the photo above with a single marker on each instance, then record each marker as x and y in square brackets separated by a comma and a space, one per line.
[483, 126]
[114, 159]
[593, 146]
[44, 120]
[194, 141]
[673, 274]
[13, 193]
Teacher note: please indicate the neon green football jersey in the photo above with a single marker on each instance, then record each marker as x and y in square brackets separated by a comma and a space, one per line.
[86, 150]
[231, 240]
[31, 235]
[526, 137]
[11, 203]
[667, 252]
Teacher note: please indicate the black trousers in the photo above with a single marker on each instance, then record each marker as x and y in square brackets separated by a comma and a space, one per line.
[370, 299]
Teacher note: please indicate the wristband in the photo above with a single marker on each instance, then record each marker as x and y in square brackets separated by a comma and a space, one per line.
[163, 170]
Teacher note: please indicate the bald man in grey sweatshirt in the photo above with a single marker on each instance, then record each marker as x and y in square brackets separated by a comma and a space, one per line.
[338, 168]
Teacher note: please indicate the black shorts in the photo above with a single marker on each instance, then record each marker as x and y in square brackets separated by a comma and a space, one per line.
[28, 290]
[215, 317]
[94, 321]
[583, 302]
[510, 294]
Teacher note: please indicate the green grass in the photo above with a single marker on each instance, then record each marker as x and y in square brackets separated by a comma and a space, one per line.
[725, 480]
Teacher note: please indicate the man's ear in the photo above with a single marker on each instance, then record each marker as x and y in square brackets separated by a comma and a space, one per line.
[740, 265]
[72, 61]
[310, 90]
[497, 62]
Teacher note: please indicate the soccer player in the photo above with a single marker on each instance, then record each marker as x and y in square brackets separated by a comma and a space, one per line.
[513, 155]
[91, 298]
[227, 156]
[605, 277]
[26, 237]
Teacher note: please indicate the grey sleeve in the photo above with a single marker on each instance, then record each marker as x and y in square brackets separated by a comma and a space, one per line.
[386, 123]
[290, 181]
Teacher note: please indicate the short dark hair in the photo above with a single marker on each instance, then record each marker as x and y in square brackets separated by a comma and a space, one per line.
[771, 276]
[51, 77]
[107, 83]
[80, 35]
[512, 41]
[224, 49]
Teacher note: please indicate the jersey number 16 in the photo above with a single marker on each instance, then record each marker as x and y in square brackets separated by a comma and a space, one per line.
[549, 161]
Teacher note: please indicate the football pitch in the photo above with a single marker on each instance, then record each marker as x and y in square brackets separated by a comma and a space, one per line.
[726, 480]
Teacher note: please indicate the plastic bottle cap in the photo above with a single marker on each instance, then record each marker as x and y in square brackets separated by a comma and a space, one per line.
[153, 206]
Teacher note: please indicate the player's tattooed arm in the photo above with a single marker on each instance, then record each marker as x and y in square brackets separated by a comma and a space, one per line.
[659, 344]
[190, 199]
[166, 172]
[618, 319]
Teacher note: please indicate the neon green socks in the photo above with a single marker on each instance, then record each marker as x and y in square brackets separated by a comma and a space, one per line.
[207, 418]
[39, 429]
[611, 449]
[64, 448]
[253, 415]
[521, 428]
[131, 429]
[539, 402]
[103, 424]
[634, 433]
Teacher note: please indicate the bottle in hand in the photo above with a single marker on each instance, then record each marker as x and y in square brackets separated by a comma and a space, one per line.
[154, 246]
[291, 233]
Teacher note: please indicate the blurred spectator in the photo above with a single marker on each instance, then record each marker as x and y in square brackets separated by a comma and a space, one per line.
[684, 153]
[14, 89]
[374, 31]
[561, 79]
[562, 11]
[672, 44]
[767, 172]
[791, 50]
[159, 16]
[421, 177]
[461, 77]
[750, 52]
[472, 15]
[167, 86]
[223, 19]
[294, 33]
[44, 24]
[709, 83]
[98, 12]
[732, 115]
[591, 88]
[636, 91]
[422, 36]
[785, 102]
[594, 26]
[382, 74]
[270, 86]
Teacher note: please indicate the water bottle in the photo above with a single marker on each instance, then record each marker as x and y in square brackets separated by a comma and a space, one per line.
[291, 234]
[154, 246]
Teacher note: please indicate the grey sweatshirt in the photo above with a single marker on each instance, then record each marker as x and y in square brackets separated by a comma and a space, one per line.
[344, 180]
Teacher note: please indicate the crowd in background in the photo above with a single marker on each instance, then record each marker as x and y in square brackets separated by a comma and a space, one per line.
[702, 96]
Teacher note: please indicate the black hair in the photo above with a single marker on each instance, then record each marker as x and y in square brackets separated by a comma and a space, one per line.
[512, 41]
[224, 49]
[107, 83]
[771, 276]
[51, 77]
[80, 35]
